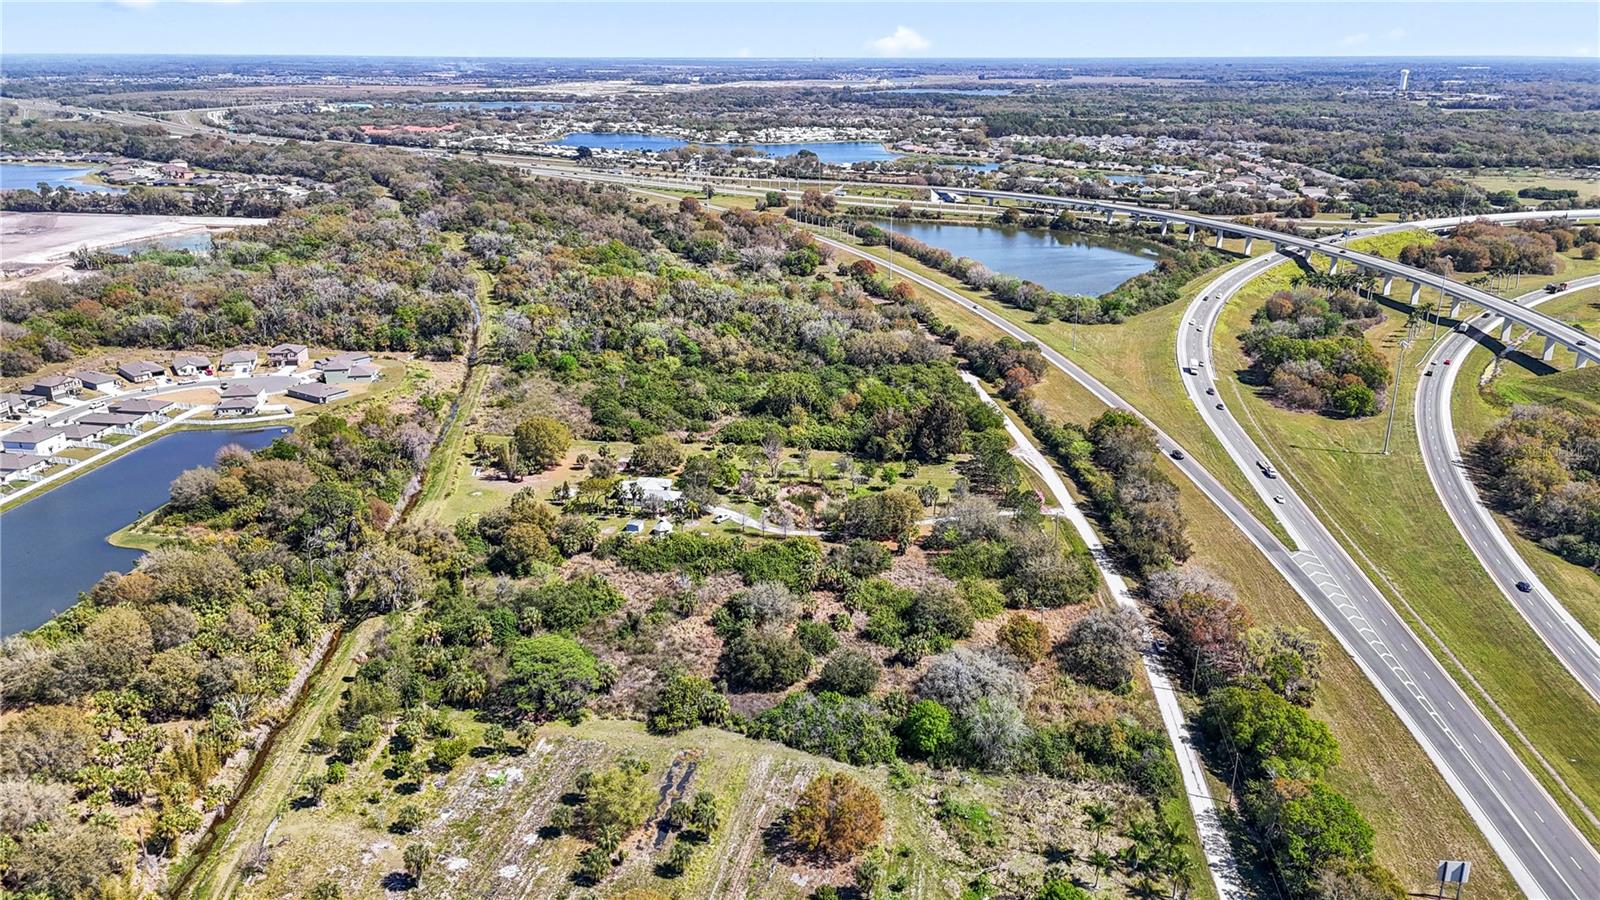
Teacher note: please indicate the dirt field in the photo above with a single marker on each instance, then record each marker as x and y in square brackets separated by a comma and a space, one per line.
[29, 241]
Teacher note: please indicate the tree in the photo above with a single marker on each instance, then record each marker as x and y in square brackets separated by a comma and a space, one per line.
[1103, 647]
[763, 659]
[939, 430]
[684, 702]
[542, 442]
[1027, 639]
[835, 816]
[1286, 660]
[407, 819]
[850, 672]
[1265, 732]
[65, 861]
[617, 799]
[659, 455]
[47, 741]
[927, 730]
[1308, 827]
[550, 675]
[416, 858]
[1102, 863]
[962, 677]
[889, 516]
[1061, 889]
[994, 733]
[1097, 820]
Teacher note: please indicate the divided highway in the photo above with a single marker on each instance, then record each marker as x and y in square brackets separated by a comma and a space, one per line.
[1543, 850]
[1571, 643]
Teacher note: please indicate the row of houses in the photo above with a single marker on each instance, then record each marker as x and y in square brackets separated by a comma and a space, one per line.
[123, 417]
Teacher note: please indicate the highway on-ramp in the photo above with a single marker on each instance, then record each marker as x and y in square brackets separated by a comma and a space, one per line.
[1543, 610]
[1543, 850]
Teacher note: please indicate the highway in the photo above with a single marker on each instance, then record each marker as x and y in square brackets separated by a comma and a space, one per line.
[1567, 639]
[1543, 850]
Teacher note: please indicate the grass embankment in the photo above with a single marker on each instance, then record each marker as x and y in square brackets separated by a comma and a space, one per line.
[1385, 511]
[1476, 407]
[1383, 770]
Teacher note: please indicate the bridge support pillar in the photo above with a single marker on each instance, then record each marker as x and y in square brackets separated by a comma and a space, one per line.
[1192, 233]
[1219, 240]
[1455, 308]
[1248, 243]
[1110, 214]
[1388, 284]
[1333, 265]
[1582, 360]
[1549, 349]
[1165, 227]
[1505, 333]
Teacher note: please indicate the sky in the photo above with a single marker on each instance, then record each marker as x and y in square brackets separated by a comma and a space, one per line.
[753, 28]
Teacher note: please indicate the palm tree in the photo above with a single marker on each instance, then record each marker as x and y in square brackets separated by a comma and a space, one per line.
[1097, 819]
[1102, 864]
[416, 859]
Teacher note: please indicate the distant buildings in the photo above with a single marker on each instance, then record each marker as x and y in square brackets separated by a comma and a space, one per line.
[140, 372]
[1405, 79]
[288, 355]
[315, 392]
[96, 381]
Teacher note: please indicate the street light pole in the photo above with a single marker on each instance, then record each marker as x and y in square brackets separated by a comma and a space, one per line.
[1394, 393]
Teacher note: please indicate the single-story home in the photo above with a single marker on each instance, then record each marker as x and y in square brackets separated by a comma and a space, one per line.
[78, 432]
[289, 355]
[315, 392]
[18, 465]
[365, 372]
[241, 389]
[18, 404]
[96, 381]
[111, 419]
[190, 364]
[140, 372]
[55, 387]
[344, 360]
[347, 367]
[239, 406]
[38, 439]
[649, 491]
[239, 361]
[143, 406]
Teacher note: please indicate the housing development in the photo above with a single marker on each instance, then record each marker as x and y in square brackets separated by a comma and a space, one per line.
[457, 450]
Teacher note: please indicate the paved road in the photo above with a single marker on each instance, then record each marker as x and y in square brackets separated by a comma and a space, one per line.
[1543, 610]
[1220, 861]
[1545, 853]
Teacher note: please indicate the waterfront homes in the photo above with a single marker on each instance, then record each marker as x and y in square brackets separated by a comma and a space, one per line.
[146, 408]
[246, 405]
[128, 423]
[314, 392]
[96, 381]
[55, 387]
[83, 433]
[140, 372]
[289, 355]
[40, 440]
[239, 362]
[18, 466]
[189, 365]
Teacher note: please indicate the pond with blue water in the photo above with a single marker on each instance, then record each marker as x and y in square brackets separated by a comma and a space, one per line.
[841, 153]
[15, 176]
[1063, 261]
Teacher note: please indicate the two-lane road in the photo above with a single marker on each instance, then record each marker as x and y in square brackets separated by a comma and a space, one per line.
[1543, 610]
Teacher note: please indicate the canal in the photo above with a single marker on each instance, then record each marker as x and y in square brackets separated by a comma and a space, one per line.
[1063, 261]
[54, 546]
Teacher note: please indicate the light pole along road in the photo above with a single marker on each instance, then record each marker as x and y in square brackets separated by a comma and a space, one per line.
[1571, 643]
[1543, 850]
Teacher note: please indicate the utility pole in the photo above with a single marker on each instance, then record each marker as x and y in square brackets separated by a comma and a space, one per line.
[1394, 392]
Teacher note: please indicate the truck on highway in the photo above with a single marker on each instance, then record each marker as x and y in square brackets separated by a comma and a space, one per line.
[1556, 287]
[1193, 368]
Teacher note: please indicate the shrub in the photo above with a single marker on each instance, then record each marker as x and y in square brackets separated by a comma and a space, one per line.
[927, 730]
[835, 816]
[684, 702]
[848, 729]
[763, 659]
[766, 603]
[962, 677]
[1027, 639]
[939, 610]
[550, 675]
[1103, 647]
[817, 637]
[994, 734]
[568, 606]
[850, 672]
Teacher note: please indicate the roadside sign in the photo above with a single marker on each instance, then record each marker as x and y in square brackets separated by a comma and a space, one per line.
[1454, 871]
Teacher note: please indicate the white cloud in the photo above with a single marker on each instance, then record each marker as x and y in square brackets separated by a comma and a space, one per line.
[1396, 34]
[1352, 40]
[903, 41]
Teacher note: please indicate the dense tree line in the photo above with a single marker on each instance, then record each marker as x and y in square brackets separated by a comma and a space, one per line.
[1542, 464]
[1307, 346]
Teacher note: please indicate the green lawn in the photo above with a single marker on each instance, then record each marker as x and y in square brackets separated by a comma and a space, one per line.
[1385, 511]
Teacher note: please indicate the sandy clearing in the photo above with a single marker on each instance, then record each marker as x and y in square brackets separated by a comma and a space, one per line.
[30, 239]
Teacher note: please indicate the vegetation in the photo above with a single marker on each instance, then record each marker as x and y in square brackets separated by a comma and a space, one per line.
[1540, 464]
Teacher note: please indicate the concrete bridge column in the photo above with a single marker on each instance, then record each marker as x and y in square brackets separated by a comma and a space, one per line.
[1165, 227]
[1549, 349]
[1333, 265]
[1416, 294]
[1248, 243]
[1219, 240]
[1192, 233]
[1455, 307]
[1110, 214]
[1505, 333]
[1582, 360]
[1388, 284]
[1277, 247]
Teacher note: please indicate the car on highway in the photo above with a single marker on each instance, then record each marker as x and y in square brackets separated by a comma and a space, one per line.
[1277, 498]
[1219, 406]
[1177, 454]
[1211, 392]
[1524, 587]
[1447, 362]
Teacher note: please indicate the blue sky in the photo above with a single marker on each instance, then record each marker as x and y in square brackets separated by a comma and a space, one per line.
[779, 29]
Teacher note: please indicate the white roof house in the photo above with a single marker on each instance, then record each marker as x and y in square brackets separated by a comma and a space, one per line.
[650, 490]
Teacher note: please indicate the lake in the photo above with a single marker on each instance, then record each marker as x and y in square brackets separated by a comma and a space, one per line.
[54, 546]
[198, 243]
[14, 176]
[841, 153]
[1062, 261]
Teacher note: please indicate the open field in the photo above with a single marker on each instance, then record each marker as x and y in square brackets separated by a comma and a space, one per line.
[1384, 509]
[1492, 180]
[32, 240]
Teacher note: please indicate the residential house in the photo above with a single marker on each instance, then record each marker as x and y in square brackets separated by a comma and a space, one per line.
[653, 492]
[240, 390]
[40, 440]
[97, 381]
[345, 367]
[239, 361]
[79, 433]
[190, 365]
[146, 408]
[18, 466]
[140, 372]
[315, 392]
[18, 405]
[289, 355]
[366, 372]
[239, 406]
[55, 387]
[127, 423]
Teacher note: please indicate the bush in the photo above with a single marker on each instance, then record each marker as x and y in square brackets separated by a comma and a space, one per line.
[927, 730]
[939, 610]
[766, 603]
[994, 734]
[763, 659]
[817, 637]
[684, 702]
[1103, 647]
[1027, 639]
[835, 816]
[550, 675]
[850, 672]
[962, 677]
[618, 799]
[848, 729]
[568, 606]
